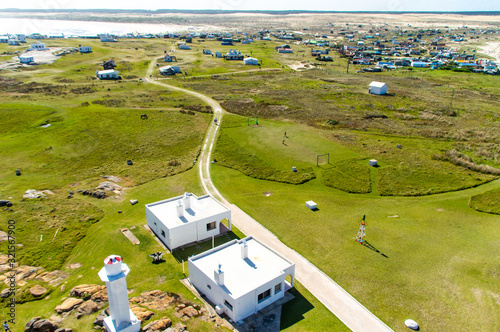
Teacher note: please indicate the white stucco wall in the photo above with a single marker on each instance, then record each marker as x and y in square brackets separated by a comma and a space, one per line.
[184, 230]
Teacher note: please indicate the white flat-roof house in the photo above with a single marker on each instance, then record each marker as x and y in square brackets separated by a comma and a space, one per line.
[38, 46]
[26, 59]
[241, 277]
[186, 219]
[14, 41]
[85, 49]
[107, 38]
[21, 38]
[251, 61]
[109, 74]
[377, 88]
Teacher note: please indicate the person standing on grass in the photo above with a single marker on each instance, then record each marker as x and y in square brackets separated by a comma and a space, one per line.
[6, 326]
[283, 142]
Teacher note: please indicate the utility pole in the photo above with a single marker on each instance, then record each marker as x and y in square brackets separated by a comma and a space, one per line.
[451, 101]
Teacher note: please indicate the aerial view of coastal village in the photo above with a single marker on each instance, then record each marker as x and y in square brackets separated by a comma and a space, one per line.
[256, 167]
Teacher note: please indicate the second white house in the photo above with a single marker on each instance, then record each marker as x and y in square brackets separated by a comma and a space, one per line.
[241, 277]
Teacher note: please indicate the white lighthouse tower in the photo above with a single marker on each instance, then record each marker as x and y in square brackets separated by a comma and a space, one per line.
[114, 274]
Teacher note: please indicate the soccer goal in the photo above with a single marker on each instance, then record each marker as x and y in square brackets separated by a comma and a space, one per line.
[253, 121]
[322, 159]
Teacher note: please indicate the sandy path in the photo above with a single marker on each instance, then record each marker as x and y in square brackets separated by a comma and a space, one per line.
[492, 49]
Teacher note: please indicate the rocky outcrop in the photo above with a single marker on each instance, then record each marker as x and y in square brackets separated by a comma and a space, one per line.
[5, 293]
[53, 278]
[40, 325]
[189, 312]
[85, 290]
[142, 314]
[26, 272]
[87, 308]
[158, 325]
[37, 290]
[156, 300]
[99, 321]
[68, 305]
[100, 296]
[109, 186]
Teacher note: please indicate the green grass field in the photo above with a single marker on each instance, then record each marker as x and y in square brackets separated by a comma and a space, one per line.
[430, 253]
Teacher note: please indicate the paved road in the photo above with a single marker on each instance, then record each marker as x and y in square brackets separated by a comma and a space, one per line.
[352, 313]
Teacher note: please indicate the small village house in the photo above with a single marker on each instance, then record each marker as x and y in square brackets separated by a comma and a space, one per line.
[107, 38]
[241, 277]
[109, 74]
[169, 58]
[251, 61]
[108, 64]
[377, 88]
[187, 219]
[184, 47]
[233, 55]
[14, 42]
[84, 49]
[26, 59]
[419, 64]
[170, 70]
[39, 46]
[21, 37]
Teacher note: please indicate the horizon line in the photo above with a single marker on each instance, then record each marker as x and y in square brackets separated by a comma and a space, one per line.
[265, 11]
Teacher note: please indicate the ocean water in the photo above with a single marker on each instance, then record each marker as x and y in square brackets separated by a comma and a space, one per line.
[83, 28]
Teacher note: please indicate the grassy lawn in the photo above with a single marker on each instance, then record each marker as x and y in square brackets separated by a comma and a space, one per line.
[94, 128]
[488, 201]
[429, 253]
[85, 142]
[427, 258]
[436, 266]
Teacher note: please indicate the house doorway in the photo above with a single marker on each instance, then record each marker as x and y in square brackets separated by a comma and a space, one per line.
[225, 226]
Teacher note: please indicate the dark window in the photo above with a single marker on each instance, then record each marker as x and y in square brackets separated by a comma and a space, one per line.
[211, 225]
[277, 288]
[209, 287]
[229, 305]
[264, 296]
[162, 233]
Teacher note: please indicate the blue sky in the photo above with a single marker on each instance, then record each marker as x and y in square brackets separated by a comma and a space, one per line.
[332, 5]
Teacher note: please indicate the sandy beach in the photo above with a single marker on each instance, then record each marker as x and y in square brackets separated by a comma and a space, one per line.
[492, 49]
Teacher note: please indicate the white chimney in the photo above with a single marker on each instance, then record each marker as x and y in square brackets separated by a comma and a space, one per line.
[187, 201]
[244, 250]
[219, 276]
[180, 209]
